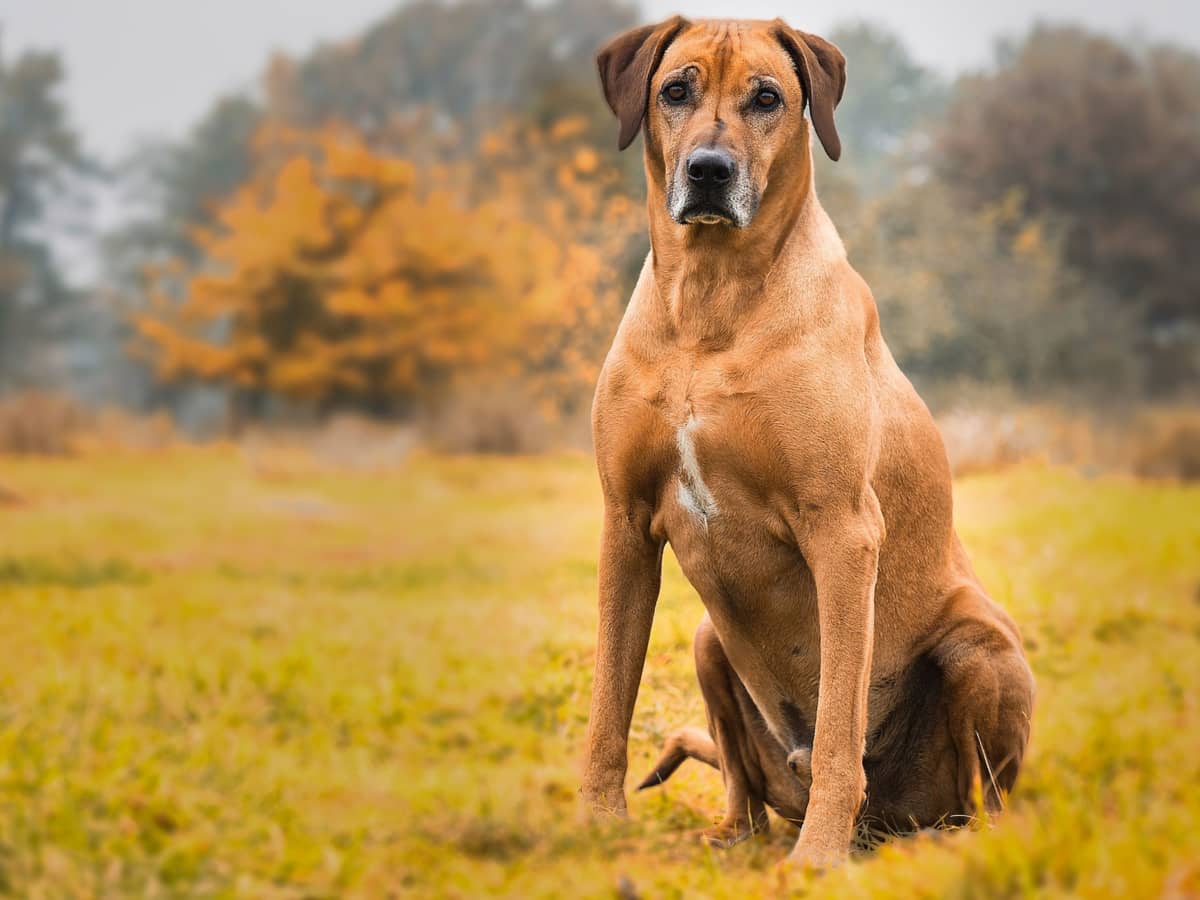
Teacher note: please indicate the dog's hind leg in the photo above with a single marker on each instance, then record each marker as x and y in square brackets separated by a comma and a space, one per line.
[960, 729]
[727, 704]
[758, 771]
[728, 744]
[990, 693]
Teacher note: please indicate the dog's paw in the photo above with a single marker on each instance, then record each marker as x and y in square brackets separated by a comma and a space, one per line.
[811, 856]
[730, 833]
[604, 803]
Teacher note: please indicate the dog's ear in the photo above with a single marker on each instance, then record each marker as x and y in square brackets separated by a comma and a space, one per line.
[822, 70]
[627, 63]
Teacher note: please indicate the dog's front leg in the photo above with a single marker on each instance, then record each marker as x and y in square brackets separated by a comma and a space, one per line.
[630, 571]
[843, 554]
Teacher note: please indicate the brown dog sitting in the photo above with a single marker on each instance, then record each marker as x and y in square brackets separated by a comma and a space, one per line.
[750, 414]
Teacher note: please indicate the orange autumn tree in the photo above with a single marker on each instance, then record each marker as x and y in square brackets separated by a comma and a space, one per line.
[341, 277]
[555, 178]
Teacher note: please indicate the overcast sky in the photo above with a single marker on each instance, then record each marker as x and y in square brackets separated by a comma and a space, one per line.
[141, 68]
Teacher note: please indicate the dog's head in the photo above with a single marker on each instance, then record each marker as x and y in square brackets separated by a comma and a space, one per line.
[723, 105]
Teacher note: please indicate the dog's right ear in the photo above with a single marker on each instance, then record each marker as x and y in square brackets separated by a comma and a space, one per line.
[627, 63]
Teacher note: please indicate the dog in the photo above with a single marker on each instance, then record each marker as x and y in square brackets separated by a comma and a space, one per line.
[750, 414]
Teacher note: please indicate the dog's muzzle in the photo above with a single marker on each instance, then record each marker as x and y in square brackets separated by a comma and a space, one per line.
[709, 189]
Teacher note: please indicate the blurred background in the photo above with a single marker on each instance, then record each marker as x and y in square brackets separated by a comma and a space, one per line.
[229, 215]
[301, 308]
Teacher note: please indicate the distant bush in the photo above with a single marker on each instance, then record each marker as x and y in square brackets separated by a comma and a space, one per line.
[44, 423]
[114, 428]
[979, 441]
[1169, 447]
[488, 419]
[1150, 443]
[988, 439]
[345, 441]
[39, 423]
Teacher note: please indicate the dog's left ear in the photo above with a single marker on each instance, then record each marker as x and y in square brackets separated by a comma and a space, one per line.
[822, 70]
[627, 63]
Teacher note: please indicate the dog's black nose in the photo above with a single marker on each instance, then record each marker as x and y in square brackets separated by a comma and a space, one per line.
[708, 165]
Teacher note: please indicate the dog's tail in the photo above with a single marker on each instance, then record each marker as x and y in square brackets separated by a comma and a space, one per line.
[681, 744]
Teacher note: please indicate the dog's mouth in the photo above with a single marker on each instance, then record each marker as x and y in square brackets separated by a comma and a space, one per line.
[705, 215]
[710, 207]
[707, 218]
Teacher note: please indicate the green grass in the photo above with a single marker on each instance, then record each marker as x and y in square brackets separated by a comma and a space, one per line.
[219, 680]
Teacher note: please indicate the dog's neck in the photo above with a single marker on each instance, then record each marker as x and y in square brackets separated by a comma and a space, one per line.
[711, 278]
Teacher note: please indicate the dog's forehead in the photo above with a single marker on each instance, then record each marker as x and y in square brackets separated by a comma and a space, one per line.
[740, 48]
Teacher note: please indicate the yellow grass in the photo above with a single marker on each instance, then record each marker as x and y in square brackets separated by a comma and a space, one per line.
[220, 677]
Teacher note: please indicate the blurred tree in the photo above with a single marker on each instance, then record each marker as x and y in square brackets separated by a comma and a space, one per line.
[1104, 138]
[891, 105]
[180, 186]
[172, 189]
[346, 278]
[39, 156]
[474, 63]
[555, 177]
[984, 297]
[425, 83]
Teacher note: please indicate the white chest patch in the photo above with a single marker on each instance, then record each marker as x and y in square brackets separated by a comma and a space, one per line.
[693, 494]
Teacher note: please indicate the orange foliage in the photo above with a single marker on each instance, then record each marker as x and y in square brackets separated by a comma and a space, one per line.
[342, 276]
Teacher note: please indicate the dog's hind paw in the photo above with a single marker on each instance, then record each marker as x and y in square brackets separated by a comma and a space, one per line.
[730, 833]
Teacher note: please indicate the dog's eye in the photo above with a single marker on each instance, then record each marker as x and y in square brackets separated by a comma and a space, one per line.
[675, 92]
[766, 99]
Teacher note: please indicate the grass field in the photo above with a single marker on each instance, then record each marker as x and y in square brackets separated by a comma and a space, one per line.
[221, 677]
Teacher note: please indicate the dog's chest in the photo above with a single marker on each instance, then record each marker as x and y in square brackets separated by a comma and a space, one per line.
[714, 414]
[685, 398]
[692, 492]
[719, 454]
